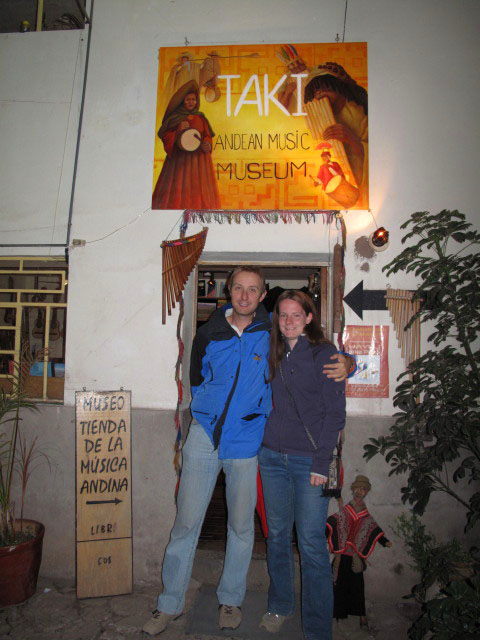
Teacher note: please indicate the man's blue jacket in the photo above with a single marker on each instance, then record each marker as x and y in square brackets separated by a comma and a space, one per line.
[231, 397]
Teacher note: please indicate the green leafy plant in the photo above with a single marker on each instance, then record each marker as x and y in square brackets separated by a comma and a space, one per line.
[15, 453]
[436, 563]
[30, 457]
[435, 437]
[434, 440]
[453, 615]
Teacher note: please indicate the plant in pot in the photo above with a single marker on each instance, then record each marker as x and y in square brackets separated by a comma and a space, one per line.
[20, 539]
[435, 439]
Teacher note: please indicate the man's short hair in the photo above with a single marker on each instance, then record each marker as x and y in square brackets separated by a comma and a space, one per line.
[248, 269]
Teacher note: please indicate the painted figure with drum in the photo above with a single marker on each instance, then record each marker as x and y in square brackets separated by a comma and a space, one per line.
[333, 180]
[187, 179]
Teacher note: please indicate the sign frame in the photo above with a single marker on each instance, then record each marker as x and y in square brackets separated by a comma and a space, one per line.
[103, 493]
[275, 127]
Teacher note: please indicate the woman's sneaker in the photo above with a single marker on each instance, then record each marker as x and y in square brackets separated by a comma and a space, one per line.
[159, 622]
[272, 622]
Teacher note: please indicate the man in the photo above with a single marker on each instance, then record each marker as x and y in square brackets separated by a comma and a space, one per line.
[349, 104]
[328, 169]
[295, 64]
[230, 404]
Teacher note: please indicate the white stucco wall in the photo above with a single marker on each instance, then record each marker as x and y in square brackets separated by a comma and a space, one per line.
[41, 76]
[424, 155]
[424, 141]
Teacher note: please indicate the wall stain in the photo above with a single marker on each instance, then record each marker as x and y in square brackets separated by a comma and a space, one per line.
[362, 250]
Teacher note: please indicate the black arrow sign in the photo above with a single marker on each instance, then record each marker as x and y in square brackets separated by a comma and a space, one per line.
[116, 501]
[360, 300]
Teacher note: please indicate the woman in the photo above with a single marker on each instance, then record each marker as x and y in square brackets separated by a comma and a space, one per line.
[187, 179]
[300, 436]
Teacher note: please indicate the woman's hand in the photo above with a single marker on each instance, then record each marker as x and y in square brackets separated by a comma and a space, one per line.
[316, 480]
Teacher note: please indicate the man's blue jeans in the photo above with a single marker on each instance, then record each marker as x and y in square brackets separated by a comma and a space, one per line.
[289, 497]
[201, 467]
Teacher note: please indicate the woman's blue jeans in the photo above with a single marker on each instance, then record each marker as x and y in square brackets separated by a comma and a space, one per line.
[201, 467]
[289, 497]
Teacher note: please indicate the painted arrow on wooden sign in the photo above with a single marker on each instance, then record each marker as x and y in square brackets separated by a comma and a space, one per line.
[114, 501]
[360, 299]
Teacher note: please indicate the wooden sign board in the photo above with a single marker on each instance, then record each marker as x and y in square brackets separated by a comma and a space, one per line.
[104, 493]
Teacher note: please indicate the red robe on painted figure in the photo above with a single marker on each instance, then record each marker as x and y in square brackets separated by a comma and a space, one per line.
[187, 179]
[325, 174]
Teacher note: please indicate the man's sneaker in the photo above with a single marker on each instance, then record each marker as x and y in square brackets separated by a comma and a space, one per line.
[272, 622]
[158, 622]
[230, 617]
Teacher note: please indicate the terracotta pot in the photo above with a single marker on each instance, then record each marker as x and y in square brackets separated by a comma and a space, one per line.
[19, 565]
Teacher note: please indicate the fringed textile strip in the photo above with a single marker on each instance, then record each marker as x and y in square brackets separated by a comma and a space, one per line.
[342, 282]
[252, 217]
[178, 379]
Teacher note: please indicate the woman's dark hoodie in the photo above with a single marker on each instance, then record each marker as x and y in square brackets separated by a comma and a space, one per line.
[320, 402]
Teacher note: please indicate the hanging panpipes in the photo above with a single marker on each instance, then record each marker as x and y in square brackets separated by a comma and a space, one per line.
[178, 259]
[403, 308]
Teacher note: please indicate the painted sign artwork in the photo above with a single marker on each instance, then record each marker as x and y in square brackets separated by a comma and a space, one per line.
[262, 127]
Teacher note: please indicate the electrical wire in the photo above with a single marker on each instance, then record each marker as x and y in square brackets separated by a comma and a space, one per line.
[140, 215]
[345, 20]
[80, 122]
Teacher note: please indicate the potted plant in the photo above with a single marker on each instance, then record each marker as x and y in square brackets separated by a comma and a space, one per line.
[435, 439]
[20, 539]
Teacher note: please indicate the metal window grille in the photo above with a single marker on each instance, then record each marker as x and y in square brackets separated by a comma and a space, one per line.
[33, 304]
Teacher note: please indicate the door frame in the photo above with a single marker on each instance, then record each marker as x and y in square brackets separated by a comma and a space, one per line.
[232, 259]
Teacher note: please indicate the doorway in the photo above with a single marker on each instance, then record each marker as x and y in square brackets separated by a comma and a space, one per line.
[205, 292]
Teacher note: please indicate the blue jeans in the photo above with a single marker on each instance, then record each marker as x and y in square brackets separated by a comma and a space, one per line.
[201, 467]
[289, 497]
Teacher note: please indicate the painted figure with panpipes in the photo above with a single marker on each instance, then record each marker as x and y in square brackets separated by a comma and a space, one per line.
[352, 534]
[336, 109]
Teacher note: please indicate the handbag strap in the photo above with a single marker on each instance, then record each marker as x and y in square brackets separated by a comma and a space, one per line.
[290, 394]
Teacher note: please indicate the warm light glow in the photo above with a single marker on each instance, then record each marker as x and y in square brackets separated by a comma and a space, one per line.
[380, 237]
[358, 222]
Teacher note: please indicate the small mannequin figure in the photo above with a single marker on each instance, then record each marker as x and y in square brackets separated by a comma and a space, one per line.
[352, 535]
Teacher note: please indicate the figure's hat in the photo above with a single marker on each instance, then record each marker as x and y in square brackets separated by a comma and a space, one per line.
[331, 69]
[326, 147]
[288, 54]
[361, 481]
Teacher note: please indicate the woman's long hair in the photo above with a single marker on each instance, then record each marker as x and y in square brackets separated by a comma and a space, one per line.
[313, 330]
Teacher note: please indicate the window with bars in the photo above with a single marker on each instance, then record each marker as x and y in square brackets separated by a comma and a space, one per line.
[33, 312]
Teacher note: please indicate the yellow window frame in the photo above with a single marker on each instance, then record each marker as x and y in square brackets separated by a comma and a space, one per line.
[32, 266]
